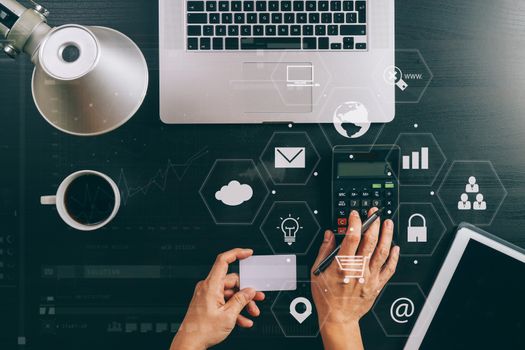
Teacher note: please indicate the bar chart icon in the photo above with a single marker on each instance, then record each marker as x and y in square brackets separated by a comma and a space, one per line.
[417, 160]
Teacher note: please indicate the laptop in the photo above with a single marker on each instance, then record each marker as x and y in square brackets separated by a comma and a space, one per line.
[477, 299]
[275, 61]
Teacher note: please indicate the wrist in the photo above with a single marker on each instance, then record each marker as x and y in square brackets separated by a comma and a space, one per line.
[342, 328]
[337, 335]
[185, 341]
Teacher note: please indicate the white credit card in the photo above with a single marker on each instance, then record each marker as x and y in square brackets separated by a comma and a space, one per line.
[266, 273]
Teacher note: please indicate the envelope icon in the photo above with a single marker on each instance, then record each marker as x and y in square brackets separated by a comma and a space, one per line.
[290, 158]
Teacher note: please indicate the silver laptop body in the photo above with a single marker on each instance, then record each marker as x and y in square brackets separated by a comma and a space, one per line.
[273, 69]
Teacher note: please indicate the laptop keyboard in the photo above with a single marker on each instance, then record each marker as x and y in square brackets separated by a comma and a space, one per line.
[276, 25]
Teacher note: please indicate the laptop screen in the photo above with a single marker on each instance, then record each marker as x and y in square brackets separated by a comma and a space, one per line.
[484, 305]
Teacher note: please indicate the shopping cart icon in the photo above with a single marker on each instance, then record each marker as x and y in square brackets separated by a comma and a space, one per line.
[353, 266]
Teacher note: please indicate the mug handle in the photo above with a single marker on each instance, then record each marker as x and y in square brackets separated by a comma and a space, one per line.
[48, 200]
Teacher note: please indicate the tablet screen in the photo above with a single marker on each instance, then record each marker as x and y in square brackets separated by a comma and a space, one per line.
[484, 305]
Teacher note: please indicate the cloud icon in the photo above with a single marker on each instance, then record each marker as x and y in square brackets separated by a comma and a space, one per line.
[234, 194]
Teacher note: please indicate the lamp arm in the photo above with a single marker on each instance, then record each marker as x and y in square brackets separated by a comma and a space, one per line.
[23, 28]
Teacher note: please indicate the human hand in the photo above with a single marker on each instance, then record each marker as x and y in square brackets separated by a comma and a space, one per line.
[216, 306]
[343, 304]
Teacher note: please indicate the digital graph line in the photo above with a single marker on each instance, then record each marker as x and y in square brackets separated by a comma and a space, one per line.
[160, 179]
[92, 207]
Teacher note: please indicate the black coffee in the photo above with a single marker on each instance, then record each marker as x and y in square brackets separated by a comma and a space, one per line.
[89, 200]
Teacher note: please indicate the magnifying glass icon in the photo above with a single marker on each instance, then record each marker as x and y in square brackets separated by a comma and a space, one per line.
[394, 75]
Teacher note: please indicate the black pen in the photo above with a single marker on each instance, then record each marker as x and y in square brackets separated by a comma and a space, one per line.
[328, 260]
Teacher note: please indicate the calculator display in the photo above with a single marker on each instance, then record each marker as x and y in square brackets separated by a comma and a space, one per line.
[362, 169]
[363, 178]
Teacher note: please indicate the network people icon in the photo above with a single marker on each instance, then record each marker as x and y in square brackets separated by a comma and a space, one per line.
[479, 203]
[464, 203]
[472, 186]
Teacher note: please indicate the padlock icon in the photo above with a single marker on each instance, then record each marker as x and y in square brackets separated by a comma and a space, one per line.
[417, 234]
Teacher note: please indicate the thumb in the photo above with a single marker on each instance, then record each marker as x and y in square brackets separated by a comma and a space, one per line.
[239, 300]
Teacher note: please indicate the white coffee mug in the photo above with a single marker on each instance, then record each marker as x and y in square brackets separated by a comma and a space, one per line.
[59, 201]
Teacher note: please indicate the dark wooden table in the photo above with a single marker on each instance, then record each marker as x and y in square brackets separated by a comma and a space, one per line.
[473, 107]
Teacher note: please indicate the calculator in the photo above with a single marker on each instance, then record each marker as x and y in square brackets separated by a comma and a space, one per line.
[364, 177]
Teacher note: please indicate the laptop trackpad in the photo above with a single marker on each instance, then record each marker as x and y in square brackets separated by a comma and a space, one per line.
[269, 87]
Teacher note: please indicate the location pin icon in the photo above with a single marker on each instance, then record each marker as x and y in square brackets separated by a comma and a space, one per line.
[300, 317]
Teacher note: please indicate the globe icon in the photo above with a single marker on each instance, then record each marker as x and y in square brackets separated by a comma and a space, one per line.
[351, 120]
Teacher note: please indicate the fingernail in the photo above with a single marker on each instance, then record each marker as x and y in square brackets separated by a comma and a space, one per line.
[247, 250]
[327, 235]
[389, 224]
[354, 213]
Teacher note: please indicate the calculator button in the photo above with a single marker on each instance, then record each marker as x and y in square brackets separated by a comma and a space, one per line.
[364, 213]
[341, 230]
[389, 193]
[354, 203]
[354, 194]
[341, 194]
[365, 203]
[341, 204]
[365, 194]
[389, 203]
[376, 194]
[376, 203]
[342, 222]
[342, 212]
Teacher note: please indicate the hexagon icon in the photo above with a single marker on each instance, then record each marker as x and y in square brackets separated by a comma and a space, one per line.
[290, 228]
[295, 311]
[290, 158]
[420, 229]
[351, 122]
[411, 76]
[472, 191]
[397, 308]
[234, 191]
[421, 159]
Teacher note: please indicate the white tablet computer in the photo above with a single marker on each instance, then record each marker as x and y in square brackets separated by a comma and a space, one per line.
[478, 298]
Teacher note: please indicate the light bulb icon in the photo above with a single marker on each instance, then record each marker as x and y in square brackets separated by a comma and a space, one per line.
[290, 226]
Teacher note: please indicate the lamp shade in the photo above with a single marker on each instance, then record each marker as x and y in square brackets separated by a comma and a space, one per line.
[88, 80]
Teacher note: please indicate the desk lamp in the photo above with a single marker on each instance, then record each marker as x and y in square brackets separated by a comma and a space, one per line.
[87, 80]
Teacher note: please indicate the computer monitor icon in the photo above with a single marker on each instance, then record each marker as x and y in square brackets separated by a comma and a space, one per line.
[300, 75]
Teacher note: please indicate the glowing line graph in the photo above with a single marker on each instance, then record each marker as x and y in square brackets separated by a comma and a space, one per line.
[91, 206]
[160, 179]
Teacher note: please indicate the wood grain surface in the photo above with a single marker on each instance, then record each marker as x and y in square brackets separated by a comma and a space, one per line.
[474, 107]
